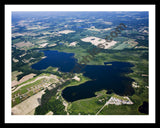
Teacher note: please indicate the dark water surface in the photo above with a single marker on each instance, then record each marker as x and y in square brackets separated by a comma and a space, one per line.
[109, 77]
[144, 108]
[64, 61]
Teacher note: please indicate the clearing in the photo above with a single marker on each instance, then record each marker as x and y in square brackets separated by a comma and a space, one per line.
[23, 44]
[92, 28]
[43, 45]
[96, 41]
[73, 44]
[65, 31]
[23, 79]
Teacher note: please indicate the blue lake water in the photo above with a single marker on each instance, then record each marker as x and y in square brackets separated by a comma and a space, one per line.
[106, 77]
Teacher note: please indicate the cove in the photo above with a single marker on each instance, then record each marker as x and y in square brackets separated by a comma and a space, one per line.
[144, 108]
[110, 77]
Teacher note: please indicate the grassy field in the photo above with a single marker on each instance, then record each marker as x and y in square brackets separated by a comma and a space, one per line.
[89, 106]
[76, 83]
[125, 109]
[122, 46]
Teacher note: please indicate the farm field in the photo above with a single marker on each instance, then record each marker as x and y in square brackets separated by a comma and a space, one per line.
[32, 86]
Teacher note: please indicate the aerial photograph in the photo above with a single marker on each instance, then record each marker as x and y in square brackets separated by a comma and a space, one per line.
[80, 63]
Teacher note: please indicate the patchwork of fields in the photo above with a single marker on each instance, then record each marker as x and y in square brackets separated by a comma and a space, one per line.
[39, 92]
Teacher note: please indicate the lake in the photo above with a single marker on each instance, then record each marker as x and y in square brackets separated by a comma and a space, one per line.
[109, 76]
[144, 108]
[64, 61]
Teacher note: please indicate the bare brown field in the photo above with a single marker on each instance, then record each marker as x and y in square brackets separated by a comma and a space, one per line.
[73, 44]
[23, 44]
[23, 79]
[96, 41]
[28, 105]
[43, 45]
[92, 28]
